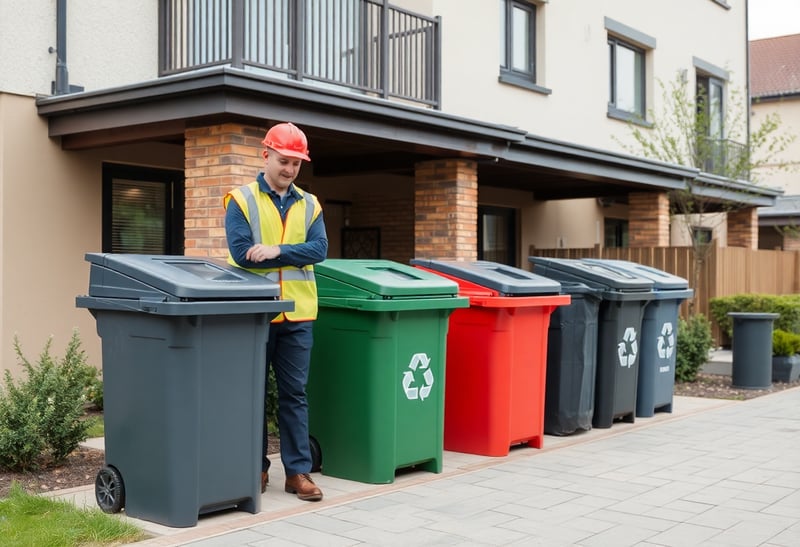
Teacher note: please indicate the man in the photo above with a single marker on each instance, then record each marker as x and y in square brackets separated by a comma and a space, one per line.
[276, 229]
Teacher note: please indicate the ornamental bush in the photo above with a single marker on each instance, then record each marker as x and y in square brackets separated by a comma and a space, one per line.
[41, 416]
[787, 306]
[694, 343]
[785, 344]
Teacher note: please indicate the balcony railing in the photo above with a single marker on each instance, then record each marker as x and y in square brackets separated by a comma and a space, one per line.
[722, 157]
[364, 46]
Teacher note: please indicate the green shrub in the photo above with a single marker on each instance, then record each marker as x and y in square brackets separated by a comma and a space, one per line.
[93, 390]
[787, 306]
[271, 416]
[41, 417]
[694, 343]
[785, 344]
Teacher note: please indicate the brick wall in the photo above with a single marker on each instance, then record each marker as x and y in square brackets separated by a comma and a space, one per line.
[446, 210]
[743, 228]
[217, 158]
[648, 219]
[791, 242]
[391, 215]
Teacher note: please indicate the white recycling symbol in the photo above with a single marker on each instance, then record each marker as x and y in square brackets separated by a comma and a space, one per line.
[666, 342]
[627, 358]
[419, 361]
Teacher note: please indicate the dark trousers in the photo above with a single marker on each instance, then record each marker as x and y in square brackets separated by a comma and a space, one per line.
[289, 355]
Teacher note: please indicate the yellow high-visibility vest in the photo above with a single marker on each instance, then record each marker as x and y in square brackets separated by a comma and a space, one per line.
[268, 228]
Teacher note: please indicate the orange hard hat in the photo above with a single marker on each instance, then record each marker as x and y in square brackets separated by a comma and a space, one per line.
[288, 140]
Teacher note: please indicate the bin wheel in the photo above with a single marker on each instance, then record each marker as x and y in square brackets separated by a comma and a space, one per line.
[109, 490]
[316, 454]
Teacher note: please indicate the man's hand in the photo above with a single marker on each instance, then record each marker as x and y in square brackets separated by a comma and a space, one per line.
[260, 253]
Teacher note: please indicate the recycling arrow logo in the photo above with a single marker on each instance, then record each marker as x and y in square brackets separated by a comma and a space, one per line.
[419, 362]
[628, 348]
[666, 341]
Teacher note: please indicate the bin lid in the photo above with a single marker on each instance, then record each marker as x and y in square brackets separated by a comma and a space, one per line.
[506, 280]
[661, 280]
[173, 278]
[576, 288]
[592, 273]
[378, 279]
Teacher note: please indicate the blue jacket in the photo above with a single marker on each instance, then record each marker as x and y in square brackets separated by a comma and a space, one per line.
[240, 238]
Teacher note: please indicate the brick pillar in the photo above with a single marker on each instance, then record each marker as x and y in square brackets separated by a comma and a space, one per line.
[648, 219]
[446, 210]
[216, 159]
[791, 242]
[743, 228]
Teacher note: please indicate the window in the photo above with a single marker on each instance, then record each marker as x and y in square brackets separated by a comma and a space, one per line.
[518, 44]
[142, 210]
[702, 236]
[626, 82]
[714, 153]
[497, 228]
[710, 105]
[616, 232]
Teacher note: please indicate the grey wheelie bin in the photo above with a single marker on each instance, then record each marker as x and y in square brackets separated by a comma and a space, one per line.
[183, 354]
[572, 361]
[624, 298]
[752, 349]
[376, 384]
[659, 337]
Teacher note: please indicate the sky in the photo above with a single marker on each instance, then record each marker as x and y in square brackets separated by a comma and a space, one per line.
[768, 18]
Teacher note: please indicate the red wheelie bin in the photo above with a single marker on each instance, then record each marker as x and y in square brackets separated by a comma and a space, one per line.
[497, 356]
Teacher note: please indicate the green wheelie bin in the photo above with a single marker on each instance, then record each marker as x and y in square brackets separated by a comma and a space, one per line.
[376, 384]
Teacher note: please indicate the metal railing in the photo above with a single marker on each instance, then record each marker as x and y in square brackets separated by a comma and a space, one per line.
[722, 157]
[364, 46]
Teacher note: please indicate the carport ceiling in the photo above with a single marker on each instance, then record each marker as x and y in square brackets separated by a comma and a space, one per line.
[338, 154]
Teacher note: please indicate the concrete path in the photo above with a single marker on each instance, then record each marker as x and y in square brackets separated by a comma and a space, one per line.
[712, 472]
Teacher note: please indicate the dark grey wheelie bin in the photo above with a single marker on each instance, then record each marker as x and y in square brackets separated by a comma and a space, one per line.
[752, 349]
[624, 297]
[656, 383]
[184, 364]
[571, 361]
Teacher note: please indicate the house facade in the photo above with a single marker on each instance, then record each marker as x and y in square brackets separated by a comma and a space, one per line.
[775, 90]
[451, 129]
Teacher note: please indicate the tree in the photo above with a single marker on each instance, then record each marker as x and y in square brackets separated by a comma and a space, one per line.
[692, 130]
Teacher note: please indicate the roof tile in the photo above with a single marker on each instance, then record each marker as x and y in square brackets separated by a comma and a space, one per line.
[775, 66]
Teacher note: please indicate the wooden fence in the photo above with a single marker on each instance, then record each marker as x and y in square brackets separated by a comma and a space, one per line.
[727, 271]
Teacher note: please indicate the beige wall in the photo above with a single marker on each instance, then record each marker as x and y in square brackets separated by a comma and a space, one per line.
[109, 43]
[680, 228]
[50, 216]
[788, 179]
[575, 60]
[573, 63]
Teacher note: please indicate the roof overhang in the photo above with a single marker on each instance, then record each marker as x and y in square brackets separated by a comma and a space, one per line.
[352, 133]
[785, 212]
[721, 190]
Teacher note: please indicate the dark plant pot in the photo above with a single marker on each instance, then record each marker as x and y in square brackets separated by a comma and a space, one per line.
[785, 368]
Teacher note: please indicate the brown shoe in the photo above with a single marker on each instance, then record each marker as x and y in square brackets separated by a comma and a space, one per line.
[264, 481]
[304, 487]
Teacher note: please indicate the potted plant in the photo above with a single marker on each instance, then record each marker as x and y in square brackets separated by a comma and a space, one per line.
[785, 358]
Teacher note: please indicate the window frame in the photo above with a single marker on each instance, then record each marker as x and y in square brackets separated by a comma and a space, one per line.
[616, 231]
[173, 181]
[702, 236]
[507, 216]
[640, 94]
[706, 100]
[641, 44]
[508, 74]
